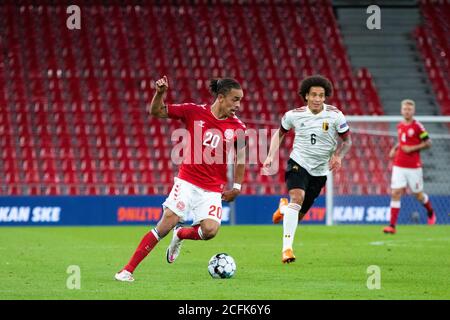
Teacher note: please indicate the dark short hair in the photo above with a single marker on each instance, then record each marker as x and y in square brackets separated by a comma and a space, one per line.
[222, 86]
[315, 81]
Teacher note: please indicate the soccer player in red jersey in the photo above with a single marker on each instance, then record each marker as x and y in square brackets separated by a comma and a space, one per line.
[212, 131]
[407, 169]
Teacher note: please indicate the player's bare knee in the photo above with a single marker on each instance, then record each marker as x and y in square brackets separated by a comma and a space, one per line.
[297, 199]
[208, 236]
[419, 196]
[297, 196]
[167, 222]
[396, 195]
[209, 229]
[208, 233]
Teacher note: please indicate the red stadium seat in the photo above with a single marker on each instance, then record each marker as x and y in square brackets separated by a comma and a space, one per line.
[431, 40]
[80, 110]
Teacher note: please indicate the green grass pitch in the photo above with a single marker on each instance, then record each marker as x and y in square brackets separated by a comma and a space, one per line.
[332, 263]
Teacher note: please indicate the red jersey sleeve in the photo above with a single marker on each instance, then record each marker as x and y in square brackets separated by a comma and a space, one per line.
[180, 111]
[423, 134]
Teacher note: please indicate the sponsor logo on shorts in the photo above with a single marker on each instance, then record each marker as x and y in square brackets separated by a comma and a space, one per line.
[180, 205]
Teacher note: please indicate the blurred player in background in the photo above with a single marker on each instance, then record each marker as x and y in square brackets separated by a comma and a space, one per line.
[315, 152]
[199, 187]
[407, 169]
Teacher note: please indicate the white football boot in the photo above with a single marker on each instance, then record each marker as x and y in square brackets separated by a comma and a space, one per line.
[173, 251]
[124, 275]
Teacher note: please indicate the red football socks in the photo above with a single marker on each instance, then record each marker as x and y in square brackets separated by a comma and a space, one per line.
[429, 208]
[148, 242]
[395, 210]
[192, 233]
[394, 216]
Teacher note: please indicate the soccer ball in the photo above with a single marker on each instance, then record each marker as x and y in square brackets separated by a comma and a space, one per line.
[221, 266]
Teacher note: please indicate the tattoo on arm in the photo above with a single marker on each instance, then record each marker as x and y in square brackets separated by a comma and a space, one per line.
[345, 146]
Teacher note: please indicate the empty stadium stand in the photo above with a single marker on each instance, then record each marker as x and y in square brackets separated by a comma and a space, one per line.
[432, 41]
[72, 116]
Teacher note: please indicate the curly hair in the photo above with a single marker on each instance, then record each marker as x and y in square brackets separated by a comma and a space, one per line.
[315, 81]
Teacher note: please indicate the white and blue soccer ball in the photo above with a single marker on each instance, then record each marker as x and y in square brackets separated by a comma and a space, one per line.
[221, 266]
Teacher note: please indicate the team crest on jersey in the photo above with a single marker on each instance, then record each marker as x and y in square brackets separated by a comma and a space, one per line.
[410, 132]
[325, 126]
[229, 133]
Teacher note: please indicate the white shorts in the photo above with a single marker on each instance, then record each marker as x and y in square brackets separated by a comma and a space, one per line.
[190, 202]
[411, 177]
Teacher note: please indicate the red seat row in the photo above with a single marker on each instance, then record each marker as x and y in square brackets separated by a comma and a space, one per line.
[72, 116]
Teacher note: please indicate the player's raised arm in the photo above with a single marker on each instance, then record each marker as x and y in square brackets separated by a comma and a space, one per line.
[157, 107]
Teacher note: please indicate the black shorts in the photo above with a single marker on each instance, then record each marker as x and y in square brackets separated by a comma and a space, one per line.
[297, 177]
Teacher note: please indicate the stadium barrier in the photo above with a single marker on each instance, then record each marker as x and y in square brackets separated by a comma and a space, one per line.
[147, 210]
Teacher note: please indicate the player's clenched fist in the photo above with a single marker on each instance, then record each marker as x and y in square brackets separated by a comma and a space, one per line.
[162, 85]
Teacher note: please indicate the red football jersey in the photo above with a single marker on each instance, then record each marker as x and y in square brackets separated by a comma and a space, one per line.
[211, 140]
[409, 134]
